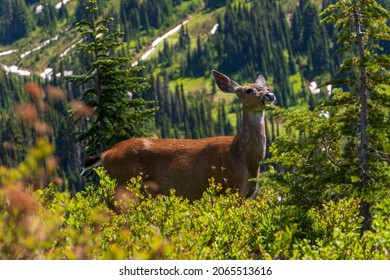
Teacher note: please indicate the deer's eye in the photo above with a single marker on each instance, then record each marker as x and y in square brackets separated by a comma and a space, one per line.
[249, 91]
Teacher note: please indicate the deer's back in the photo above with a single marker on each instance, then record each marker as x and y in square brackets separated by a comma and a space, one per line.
[182, 164]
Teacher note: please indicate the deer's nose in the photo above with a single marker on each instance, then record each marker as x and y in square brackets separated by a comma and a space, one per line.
[269, 97]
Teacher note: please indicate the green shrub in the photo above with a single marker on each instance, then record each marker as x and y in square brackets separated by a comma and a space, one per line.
[48, 224]
[339, 235]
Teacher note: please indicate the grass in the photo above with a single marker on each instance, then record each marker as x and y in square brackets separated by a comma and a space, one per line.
[199, 25]
[296, 82]
[194, 85]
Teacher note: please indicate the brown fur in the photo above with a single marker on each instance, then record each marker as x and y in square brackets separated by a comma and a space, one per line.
[187, 165]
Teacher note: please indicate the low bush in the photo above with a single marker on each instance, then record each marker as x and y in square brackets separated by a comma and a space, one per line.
[49, 224]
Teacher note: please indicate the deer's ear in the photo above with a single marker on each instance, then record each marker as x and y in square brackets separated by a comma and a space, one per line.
[224, 82]
[260, 81]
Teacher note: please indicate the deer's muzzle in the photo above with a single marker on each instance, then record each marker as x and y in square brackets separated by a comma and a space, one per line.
[269, 98]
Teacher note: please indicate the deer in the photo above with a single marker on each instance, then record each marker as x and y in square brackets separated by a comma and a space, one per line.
[187, 165]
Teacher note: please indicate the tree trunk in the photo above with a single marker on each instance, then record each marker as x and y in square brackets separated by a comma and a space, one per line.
[363, 96]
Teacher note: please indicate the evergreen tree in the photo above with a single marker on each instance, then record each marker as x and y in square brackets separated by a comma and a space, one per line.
[48, 17]
[113, 91]
[367, 103]
[63, 13]
[309, 38]
[213, 4]
[16, 20]
[5, 19]
[81, 10]
[342, 148]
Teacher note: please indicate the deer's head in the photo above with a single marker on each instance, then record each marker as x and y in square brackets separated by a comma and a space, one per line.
[253, 96]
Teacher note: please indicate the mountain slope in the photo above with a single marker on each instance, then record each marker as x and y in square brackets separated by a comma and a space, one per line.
[251, 38]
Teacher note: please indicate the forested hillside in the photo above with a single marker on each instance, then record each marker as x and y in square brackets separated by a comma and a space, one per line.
[249, 38]
[78, 76]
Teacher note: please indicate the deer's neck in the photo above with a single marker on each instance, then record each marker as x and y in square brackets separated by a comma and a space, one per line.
[252, 139]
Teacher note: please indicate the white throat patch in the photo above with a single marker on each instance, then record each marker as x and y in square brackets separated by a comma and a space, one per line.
[256, 117]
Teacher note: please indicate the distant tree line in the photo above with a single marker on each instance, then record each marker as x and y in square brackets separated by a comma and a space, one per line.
[147, 16]
[256, 38]
[253, 37]
[18, 18]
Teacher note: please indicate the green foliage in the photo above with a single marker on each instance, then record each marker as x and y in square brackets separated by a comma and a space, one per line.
[341, 149]
[309, 38]
[338, 229]
[107, 86]
[366, 72]
[48, 17]
[47, 224]
[16, 20]
[242, 42]
[312, 164]
[317, 160]
[146, 17]
[310, 202]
